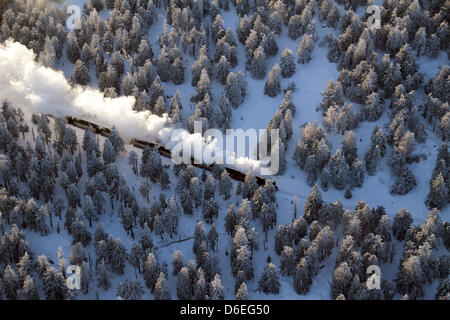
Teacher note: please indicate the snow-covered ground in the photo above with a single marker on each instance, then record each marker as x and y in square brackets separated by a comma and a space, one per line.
[256, 112]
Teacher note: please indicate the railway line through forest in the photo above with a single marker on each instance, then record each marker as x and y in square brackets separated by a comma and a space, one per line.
[163, 151]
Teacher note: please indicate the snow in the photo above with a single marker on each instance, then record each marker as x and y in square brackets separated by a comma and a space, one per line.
[43, 89]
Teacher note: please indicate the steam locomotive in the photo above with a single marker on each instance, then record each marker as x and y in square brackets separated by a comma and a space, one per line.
[163, 151]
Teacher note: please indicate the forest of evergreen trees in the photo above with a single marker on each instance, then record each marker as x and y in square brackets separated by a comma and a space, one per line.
[52, 183]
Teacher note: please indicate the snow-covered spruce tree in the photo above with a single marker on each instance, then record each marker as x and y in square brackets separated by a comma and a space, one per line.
[203, 87]
[109, 79]
[251, 43]
[184, 285]
[177, 262]
[54, 285]
[109, 153]
[313, 205]
[373, 107]
[242, 292]
[72, 48]
[29, 289]
[48, 55]
[199, 237]
[437, 196]
[410, 278]
[243, 263]
[406, 60]
[118, 257]
[404, 183]
[339, 171]
[287, 261]
[146, 238]
[116, 141]
[230, 219]
[151, 166]
[213, 237]
[258, 65]
[81, 73]
[129, 290]
[162, 291]
[332, 95]
[270, 282]
[357, 173]
[287, 63]
[150, 271]
[357, 290]
[225, 185]
[269, 44]
[273, 86]
[10, 283]
[202, 62]
[210, 210]
[217, 291]
[302, 276]
[210, 187]
[135, 256]
[325, 242]
[80, 233]
[118, 63]
[295, 27]
[244, 28]
[305, 49]
[236, 88]
[349, 148]
[372, 158]
[102, 276]
[222, 69]
[342, 279]
[313, 142]
[199, 288]
[444, 126]
[195, 189]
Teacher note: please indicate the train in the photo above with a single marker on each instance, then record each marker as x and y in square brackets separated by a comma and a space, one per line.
[163, 151]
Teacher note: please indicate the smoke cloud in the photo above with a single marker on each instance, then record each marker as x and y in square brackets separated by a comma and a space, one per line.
[37, 89]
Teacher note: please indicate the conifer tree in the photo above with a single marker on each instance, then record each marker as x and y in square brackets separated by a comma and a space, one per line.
[273, 86]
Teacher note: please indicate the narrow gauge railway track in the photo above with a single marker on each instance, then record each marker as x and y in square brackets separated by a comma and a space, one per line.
[163, 151]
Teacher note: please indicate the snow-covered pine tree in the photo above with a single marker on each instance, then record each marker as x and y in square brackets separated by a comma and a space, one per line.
[150, 271]
[29, 289]
[130, 290]
[305, 49]
[184, 285]
[81, 73]
[162, 291]
[295, 27]
[437, 196]
[177, 262]
[235, 88]
[269, 282]
[287, 63]
[273, 86]
[222, 69]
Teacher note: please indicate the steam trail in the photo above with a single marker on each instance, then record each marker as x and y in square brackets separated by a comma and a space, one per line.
[37, 89]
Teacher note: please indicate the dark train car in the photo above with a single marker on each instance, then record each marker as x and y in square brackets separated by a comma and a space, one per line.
[142, 144]
[83, 124]
[104, 131]
[238, 175]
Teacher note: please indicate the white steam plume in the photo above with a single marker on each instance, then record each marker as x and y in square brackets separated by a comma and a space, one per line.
[38, 89]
